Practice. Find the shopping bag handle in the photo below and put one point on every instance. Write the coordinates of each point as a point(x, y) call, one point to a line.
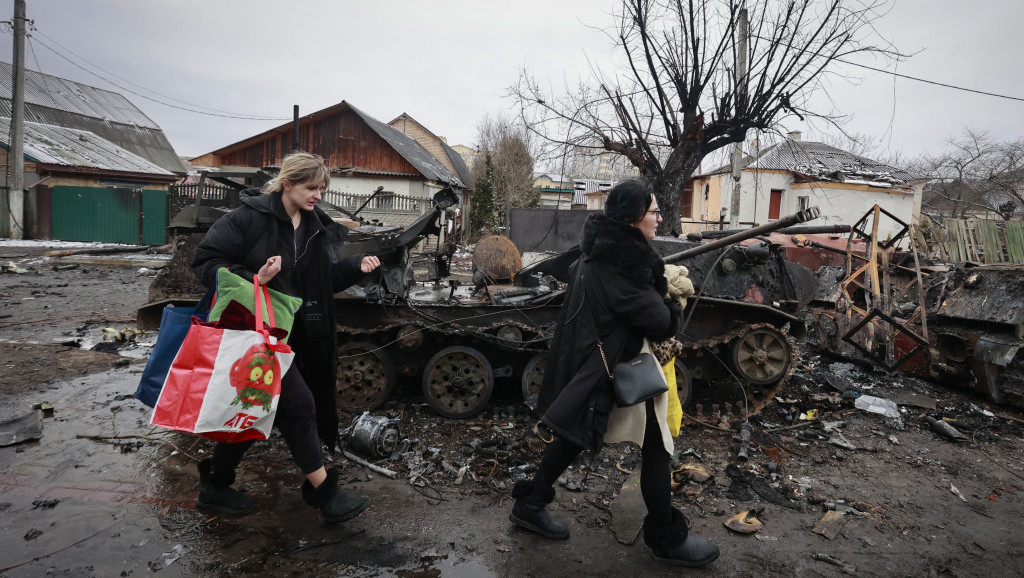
point(259, 297)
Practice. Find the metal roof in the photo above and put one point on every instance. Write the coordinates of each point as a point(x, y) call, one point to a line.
point(460, 165)
point(64, 103)
point(373, 172)
point(412, 151)
point(54, 145)
point(825, 162)
point(69, 96)
point(582, 188)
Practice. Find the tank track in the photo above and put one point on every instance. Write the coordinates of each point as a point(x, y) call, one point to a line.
point(764, 393)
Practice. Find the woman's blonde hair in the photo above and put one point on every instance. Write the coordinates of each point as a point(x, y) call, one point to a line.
point(298, 168)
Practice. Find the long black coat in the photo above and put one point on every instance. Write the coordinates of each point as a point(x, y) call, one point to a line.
point(243, 240)
point(624, 301)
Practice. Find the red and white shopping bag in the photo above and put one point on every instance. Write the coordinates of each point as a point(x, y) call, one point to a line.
point(225, 384)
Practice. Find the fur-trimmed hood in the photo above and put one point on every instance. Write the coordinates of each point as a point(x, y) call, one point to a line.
point(624, 247)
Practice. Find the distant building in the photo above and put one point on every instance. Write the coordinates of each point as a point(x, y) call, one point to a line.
point(469, 155)
point(556, 190)
point(590, 194)
point(436, 146)
point(594, 162)
point(794, 175)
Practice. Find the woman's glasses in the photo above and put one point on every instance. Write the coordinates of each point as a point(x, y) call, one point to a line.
point(656, 212)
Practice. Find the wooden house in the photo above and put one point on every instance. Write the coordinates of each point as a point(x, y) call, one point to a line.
point(362, 153)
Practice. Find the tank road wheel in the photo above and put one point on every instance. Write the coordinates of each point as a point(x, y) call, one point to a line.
point(761, 356)
point(458, 382)
point(533, 374)
point(366, 376)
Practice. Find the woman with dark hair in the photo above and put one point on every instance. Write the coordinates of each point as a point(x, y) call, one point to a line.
point(616, 294)
point(280, 236)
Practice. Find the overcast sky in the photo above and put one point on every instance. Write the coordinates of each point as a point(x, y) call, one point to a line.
point(447, 63)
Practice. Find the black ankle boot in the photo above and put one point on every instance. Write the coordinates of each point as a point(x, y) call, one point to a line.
point(530, 510)
point(215, 492)
point(672, 544)
point(335, 505)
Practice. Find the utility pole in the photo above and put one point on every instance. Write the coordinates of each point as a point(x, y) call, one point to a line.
point(741, 102)
point(16, 153)
point(295, 127)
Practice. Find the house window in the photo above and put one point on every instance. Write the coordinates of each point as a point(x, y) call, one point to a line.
point(774, 204)
point(686, 203)
point(803, 203)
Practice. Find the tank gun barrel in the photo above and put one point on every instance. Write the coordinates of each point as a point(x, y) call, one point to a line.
point(801, 217)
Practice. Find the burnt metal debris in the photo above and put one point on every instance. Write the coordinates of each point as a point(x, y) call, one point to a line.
point(957, 324)
point(458, 336)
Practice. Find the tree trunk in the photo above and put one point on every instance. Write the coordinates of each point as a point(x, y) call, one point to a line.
point(668, 189)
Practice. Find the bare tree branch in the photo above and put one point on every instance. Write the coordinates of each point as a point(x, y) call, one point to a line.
point(679, 89)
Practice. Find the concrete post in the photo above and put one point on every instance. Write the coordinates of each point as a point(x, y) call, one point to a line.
point(16, 153)
point(741, 103)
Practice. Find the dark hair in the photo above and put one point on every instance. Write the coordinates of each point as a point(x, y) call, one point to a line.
point(628, 201)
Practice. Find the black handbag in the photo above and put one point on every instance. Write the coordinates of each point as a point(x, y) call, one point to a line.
point(635, 380)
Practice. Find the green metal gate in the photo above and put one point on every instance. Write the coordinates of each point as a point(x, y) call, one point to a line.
point(108, 215)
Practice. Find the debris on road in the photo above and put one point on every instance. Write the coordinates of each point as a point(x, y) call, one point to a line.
point(878, 405)
point(10, 267)
point(628, 510)
point(945, 429)
point(373, 436)
point(745, 522)
point(846, 568)
point(22, 429)
point(830, 524)
point(956, 492)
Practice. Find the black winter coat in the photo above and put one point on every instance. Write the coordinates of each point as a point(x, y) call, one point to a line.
point(616, 288)
point(243, 240)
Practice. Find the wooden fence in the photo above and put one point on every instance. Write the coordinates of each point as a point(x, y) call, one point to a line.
point(382, 202)
point(976, 240)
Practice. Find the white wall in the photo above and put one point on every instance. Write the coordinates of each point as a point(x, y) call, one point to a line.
point(366, 184)
point(838, 206)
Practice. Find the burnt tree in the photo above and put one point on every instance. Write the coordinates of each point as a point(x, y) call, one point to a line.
point(677, 94)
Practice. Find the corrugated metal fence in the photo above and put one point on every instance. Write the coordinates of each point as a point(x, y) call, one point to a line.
point(108, 215)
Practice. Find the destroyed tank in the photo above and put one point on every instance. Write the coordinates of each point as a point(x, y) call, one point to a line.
point(456, 337)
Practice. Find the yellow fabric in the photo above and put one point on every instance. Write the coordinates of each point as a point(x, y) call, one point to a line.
point(675, 408)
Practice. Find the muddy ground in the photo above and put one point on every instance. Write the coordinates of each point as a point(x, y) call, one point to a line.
point(101, 493)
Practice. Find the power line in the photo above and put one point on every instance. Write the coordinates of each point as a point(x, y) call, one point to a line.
point(114, 74)
point(908, 77)
point(897, 74)
point(128, 90)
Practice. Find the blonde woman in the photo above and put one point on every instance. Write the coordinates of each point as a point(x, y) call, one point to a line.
point(281, 236)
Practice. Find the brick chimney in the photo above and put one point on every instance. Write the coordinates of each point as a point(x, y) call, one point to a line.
point(794, 135)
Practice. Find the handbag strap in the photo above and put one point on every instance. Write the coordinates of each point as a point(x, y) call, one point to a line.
point(593, 321)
